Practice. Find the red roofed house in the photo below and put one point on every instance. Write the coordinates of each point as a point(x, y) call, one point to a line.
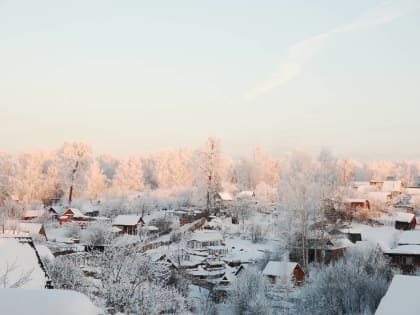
point(72, 214)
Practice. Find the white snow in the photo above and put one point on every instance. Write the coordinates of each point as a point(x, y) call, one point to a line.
point(409, 238)
point(126, 219)
point(384, 236)
point(379, 196)
point(46, 302)
point(23, 257)
point(401, 297)
point(44, 252)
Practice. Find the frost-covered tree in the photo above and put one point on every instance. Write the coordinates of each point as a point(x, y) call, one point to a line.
point(74, 163)
point(255, 168)
point(128, 178)
point(300, 198)
point(210, 169)
point(96, 181)
point(249, 293)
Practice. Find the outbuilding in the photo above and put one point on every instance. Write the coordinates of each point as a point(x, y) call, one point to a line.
point(277, 271)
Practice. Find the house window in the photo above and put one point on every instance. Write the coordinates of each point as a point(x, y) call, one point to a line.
point(409, 260)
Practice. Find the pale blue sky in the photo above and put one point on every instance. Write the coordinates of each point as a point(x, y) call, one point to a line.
point(138, 76)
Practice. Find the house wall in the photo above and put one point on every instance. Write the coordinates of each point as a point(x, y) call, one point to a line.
point(299, 276)
point(405, 226)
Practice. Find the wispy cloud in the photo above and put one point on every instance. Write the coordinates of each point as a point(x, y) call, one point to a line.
point(301, 53)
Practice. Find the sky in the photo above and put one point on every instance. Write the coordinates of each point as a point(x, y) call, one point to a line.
point(133, 77)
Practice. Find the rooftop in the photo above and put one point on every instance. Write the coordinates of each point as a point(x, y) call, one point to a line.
point(401, 297)
point(127, 219)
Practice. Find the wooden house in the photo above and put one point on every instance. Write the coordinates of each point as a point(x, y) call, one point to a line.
point(128, 224)
point(405, 221)
point(72, 214)
point(278, 271)
point(406, 255)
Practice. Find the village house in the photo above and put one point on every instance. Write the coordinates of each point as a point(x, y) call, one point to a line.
point(282, 271)
point(74, 215)
point(128, 223)
point(406, 255)
point(405, 221)
point(205, 239)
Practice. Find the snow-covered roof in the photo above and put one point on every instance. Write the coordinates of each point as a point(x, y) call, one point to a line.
point(76, 213)
point(401, 297)
point(206, 236)
point(33, 213)
point(279, 268)
point(43, 301)
point(225, 196)
point(409, 238)
point(404, 217)
point(25, 261)
point(404, 250)
point(127, 219)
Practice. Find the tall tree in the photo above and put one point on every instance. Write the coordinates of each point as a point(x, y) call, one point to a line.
point(75, 159)
point(210, 165)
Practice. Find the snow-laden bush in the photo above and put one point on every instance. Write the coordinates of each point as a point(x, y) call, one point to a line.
point(65, 274)
point(353, 285)
point(132, 283)
point(98, 234)
point(72, 229)
point(249, 293)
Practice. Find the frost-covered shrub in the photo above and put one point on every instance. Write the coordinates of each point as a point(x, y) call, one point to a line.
point(65, 274)
point(353, 285)
point(72, 229)
point(249, 293)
